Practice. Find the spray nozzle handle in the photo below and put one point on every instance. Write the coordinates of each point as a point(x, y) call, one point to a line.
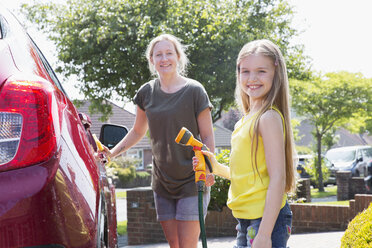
point(208, 162)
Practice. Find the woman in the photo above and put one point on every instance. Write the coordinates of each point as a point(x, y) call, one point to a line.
point(165, 105)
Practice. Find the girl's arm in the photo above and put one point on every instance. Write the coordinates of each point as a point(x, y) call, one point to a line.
point(134, 135)
point(271, 131)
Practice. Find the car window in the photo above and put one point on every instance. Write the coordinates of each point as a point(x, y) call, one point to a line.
point(3, 27)
point(341, 155)
point(367, 153)
point(48, 68)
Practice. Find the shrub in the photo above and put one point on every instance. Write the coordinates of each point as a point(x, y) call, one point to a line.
point(125, 162)
point(220, 189)
point(126, 174)
point(358, 232)
point(310, 168)
point(124, 169)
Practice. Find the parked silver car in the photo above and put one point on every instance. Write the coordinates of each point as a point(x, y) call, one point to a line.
point(351, 158)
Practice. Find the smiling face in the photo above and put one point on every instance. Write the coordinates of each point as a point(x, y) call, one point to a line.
point(164, 57)
point(256, 76)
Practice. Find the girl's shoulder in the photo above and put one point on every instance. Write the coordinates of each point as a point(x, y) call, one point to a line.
point(271, 120)
point(270, 116)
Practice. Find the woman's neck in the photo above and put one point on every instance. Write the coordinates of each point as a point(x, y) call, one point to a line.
point(171, 84)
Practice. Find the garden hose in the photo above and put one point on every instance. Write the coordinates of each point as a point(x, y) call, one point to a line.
point(186, 138)
point(201, 215)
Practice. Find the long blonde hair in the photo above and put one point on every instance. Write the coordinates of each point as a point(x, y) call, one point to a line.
point(278, 96)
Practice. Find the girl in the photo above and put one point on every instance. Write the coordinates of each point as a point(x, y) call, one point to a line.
point(261, 165)
point(164, 106)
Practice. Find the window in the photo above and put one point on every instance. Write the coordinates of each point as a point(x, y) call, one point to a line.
point(3, 27)
point(367, 153)
point(138, 154)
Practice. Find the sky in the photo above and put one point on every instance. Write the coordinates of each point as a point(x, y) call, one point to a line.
point(336, 35)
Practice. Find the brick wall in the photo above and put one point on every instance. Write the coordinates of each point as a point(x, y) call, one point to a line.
point(348, 187)
point(303, 189)
point(143, 228)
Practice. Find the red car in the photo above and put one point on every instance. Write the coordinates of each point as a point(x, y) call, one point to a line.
point(53, 192)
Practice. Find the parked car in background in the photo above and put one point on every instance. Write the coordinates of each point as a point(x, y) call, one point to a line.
point(351, 158)
point(303, 168)
point(53, 191)
point(368, 178)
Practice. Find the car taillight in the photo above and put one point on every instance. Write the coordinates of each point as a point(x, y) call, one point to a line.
point(10, 134)
point(29, 121)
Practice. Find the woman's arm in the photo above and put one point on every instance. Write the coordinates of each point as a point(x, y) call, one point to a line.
point(134, 135)
point(206, 128)
point(271, 131)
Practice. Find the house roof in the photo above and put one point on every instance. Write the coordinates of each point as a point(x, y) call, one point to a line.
point(222, 136)
point(120, 116)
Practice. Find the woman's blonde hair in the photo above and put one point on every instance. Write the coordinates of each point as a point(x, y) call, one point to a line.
point(180, 50)
point(278, 96)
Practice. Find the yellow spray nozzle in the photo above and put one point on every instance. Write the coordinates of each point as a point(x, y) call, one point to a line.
point(100, 147)
point(186, 138)
point(98, 143)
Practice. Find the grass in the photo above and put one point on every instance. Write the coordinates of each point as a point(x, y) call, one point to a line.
point(338, 203)
point(122, 228)
point(328, 191)
point(121, 194)
point(121, 225)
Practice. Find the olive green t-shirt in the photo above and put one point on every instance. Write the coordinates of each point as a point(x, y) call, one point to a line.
point(172, 173)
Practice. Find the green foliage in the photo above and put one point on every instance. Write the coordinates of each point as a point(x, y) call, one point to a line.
point(103, 42)
point(143, 174)
point(122, 227)
point(358, 232)
point(126, 174)
point(124, 169)
point(295, 123)
point(311, 168)
point(124, 162)
point(332, 101)
point(220, 189)
point(121, 194)
point(303, 150)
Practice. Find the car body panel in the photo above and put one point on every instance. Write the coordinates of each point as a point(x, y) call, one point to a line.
point(64, 200)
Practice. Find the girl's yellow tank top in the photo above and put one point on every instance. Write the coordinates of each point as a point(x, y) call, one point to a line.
point(247, 193)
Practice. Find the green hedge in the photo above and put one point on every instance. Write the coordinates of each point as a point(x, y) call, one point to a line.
point(359, 231)
point(221, 187)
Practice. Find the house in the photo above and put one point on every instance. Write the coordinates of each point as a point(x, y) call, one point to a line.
point(142, 150)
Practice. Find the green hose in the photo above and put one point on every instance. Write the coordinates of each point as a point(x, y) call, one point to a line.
point(201, 215)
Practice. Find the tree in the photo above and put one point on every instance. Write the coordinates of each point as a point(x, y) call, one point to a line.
point(103, 42)
point(332, 101)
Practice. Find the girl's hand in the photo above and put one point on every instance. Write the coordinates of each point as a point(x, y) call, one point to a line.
point(209, 181)
point(262, 242)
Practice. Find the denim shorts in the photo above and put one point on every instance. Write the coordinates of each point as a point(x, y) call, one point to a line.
point(247, 230)
point(181, 209)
